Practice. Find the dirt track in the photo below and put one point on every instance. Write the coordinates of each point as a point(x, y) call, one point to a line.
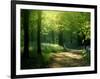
point(66, 59)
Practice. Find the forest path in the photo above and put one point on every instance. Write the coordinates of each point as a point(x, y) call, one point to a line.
point(66, 59)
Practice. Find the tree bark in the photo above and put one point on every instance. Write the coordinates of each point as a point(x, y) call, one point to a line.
point(40, 57)
point(26, 33)
point(53, 37)
point(61, 38)
point(38, 32)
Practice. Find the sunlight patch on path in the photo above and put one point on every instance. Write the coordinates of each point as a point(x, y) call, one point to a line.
point(66, 59)
point(68, 54)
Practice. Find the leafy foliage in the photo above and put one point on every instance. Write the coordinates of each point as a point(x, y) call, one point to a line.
point(48, 48)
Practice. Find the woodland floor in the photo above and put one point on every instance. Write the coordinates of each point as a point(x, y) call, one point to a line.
point(66, 59)
point(57, 60)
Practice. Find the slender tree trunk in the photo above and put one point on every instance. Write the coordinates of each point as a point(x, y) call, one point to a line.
point(61, 38)
point(26, 33)
point(53, 37)
point(71, 38)
point(38, 32)
point(40, 57)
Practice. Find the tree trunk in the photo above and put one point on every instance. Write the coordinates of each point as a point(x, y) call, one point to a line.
point(38, 33)
point(61, 38)
point(26, 33)
point(71, 38)
point(40, 57)
point(53, 37)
